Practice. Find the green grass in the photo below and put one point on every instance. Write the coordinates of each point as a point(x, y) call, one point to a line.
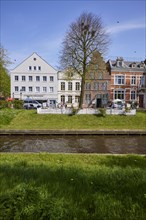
point(82, 187)
point(23, 119)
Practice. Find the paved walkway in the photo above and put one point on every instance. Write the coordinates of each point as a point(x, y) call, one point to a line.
point(73, 132)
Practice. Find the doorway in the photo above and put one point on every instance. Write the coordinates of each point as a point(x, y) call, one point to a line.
point(141, 100)
point(98, 103)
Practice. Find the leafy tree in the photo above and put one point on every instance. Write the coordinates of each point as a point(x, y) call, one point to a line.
point(4, 76)
point(85, 36)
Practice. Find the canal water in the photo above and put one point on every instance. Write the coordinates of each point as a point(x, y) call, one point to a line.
point(113, 144)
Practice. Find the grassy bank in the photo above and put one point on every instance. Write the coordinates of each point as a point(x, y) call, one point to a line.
point(23, 119)
point(83, 187)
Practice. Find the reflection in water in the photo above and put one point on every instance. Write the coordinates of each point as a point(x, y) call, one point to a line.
point(73, 144)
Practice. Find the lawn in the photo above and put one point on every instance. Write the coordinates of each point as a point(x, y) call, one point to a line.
point(23, 119)
point(66, 187)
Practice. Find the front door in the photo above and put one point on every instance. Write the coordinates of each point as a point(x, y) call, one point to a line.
point(141, 100)
point(98, 103)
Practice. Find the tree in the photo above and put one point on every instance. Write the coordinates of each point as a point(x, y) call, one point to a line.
point(85, 36)
point(4, 76)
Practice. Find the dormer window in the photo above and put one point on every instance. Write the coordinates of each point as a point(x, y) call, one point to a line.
point(133, 65)
point(119, 62)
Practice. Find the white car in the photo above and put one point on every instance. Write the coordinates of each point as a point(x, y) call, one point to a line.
point(31, 104)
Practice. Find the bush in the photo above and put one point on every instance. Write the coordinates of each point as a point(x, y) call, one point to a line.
point(3, 104)
point(18, 104)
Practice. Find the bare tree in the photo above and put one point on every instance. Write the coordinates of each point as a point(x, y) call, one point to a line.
point(85, 36)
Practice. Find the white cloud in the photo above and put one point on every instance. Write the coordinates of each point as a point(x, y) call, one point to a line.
point(115, 29)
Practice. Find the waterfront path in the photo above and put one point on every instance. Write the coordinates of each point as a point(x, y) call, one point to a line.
point(73, 132)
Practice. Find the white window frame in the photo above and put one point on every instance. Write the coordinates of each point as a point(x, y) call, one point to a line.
point(133, 99)
point(44, 89)
point(69, 98)
point(37, 78)
point(77, 86)
point(119, 79)
point(62, 84)
point(70, 86)
point(16, 77)
point(51, 89)
point(118, 96)
point(30, 78)
point(16, 88)
point(51, 78)
point(37, 89)
point(133, 80)
point(44, 78)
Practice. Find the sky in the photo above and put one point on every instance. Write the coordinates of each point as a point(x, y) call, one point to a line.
point(28, 26)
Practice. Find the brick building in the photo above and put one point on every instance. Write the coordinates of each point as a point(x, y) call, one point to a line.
point(125, 80)
point(97, 83)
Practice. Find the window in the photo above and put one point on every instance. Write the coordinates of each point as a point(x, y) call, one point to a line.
point(29, 68)
point(96, 86)
point(23, 78)
point(100, 76)
point(16, 78)
point(88, 98)
point(34, 59)
point(77, 86)
point(23, 89)
point(44, 78)
point(37, 89)
point(16, 88)
point(133, 95)
point(34, 67)
point(77, 99)
point(37, 78)
point(119, 94)
point(63, 99)
point(69, 99)
point(30, 78)
point(91, 75)
point(119, 80)
point(133, 80)
point(51, 89)
point(44, 89)
point(39, 67)
point(51, 78)
point(88, 86)
point(70, 86)
point(104, 86)
point(62, 85)
point(30, 88)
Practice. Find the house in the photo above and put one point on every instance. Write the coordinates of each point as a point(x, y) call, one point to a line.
point(142, 91)
point(69, 87)
point(97, 83)
point(125, 80)
point(36, 79)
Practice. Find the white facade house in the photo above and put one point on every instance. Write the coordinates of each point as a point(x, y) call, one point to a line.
point(69, 87)
point(34, 78)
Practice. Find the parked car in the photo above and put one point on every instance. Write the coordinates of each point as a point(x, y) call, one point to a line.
point(31, 104)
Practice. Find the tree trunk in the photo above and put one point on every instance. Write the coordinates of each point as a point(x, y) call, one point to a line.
point(82, 93)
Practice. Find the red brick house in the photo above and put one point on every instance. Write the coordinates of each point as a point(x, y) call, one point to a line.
point(125, 80)
point(97, 83)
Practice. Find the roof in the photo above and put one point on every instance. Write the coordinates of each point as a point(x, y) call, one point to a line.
point(121, 64)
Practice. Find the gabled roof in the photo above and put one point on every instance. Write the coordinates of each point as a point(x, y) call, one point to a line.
point(34, 60)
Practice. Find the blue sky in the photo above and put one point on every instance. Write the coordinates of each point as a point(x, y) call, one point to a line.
point(29, 26)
